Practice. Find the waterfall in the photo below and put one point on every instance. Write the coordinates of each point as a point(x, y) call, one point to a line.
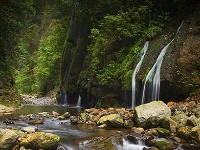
point(65, 100)
point(79, 101)
point(153, 77)
point(143, 52)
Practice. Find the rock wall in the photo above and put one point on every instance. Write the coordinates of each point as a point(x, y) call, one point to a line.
point(74, 53)
point(179, 71)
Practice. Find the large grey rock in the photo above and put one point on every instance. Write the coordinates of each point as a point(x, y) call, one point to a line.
point(7, 139)
point(151, 114)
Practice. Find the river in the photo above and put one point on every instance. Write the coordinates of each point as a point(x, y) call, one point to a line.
point(73, 137)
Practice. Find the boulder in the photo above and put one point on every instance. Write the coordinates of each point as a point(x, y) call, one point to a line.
point(54, 113)
point(94, 118)
point(7, 139)
point(184, 132)
point(195, 133)
point(84, 117)
point(74, 120)
point(151, 114)
point(36, 121)
point(163, 132)
point(40, 140)
point(128, 123)
point(170, 124)
point(29, 129)
point(112, 120)
point(66, 115)
point(164, 145)
point(137, 130)
point(193, 121)
point(181, 118)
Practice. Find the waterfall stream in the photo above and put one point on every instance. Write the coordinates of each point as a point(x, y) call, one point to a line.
point(137, 68)
point(153, 77)
point(65, 100)
point(79, 101)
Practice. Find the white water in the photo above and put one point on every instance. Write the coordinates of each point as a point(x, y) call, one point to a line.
point(137, 68)
point(79, 101)
point(65, 100)
point(154, 74)
point(130, 146)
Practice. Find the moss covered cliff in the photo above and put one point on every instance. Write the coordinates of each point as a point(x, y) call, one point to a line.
point(100, 70)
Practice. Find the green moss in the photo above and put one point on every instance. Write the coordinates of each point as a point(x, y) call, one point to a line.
point(163, 132)
point(162, 145)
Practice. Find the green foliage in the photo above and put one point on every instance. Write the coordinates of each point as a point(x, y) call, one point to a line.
point(118, 38)
point(40, 47)
point(49, 57)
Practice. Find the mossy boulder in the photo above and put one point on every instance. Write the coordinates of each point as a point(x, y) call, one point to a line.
point(164, 145)
point(193, 121)
point(112, 120)
point(170, 124)
point(195, 133)
point(184, 132)
point(181, 119)
point(163, 132)
point(151, 114)
point(128, 123)
point(40, 140)
point(7, 139)
point(84, 117)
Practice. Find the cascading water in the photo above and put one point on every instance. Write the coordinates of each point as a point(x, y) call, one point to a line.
point(65, 100)
point(137, 68)
point(79, 101)
point(154, 74)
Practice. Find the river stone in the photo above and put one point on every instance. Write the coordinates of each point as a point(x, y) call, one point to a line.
point(170, 124)
point(151, 114)
point(193, 121)
point(112, 120)
point(40, 140)
point(74, 120)
point(84, 117)
point(163, 132)
point(184, 132)
point(128, 123)
point(164, 145)
point(7, 139)
point(66, 115)
point(181, 119)
point(195, 133)
point(54, 113)
point(29, 129)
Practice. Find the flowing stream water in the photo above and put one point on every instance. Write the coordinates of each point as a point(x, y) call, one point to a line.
point(73, 137)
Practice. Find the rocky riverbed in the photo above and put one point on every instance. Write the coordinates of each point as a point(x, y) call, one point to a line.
point(34, 100)
point(157, 125)
point(152, 126)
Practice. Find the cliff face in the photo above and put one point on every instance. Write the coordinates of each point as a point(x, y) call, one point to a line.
point(179, 71)
point(75, 50)
point(188, 63)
